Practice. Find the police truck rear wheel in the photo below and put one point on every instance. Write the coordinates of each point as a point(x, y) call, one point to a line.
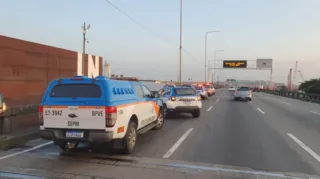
point(130, 138)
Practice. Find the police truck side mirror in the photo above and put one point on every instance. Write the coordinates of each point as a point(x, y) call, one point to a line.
point(155, 94)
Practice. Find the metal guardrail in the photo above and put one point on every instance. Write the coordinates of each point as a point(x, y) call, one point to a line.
point(296, 95)
point(19, 110)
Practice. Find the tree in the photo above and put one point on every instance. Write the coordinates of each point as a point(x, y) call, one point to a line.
point(311, 86)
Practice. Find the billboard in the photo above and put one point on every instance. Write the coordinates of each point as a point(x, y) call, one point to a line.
point(234, 64)
point(264, 63)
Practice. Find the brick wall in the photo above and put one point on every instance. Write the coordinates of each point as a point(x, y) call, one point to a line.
point(26, 68)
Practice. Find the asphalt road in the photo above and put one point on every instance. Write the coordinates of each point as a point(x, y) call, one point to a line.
point(271, 133)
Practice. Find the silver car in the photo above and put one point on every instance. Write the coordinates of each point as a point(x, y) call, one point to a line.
point(243, 93)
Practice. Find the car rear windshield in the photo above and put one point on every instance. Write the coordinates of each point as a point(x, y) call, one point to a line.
point(243, 89)
point(76, 91)
point(185, 91)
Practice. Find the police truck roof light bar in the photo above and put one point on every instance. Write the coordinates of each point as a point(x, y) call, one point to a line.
point(125, 78)
point(77, 78)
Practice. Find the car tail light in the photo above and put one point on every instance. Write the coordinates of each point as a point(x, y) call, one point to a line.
point(173, 98)
point(111, 116)
point(249, 92)
point(237, 92)
point(3, 108)
point(40, 115)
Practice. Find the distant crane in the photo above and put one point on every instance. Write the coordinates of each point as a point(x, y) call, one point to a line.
point(295, 73)
point(301, 75)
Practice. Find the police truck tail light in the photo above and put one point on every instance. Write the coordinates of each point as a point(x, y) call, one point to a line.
point(40, 115)
point(111, 116)
point(173, 98)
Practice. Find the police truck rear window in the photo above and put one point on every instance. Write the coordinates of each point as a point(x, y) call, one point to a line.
point(185, 91)
point(76, 91)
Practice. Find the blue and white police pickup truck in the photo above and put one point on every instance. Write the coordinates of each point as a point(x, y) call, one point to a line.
point(98, 110)
point(181, 99)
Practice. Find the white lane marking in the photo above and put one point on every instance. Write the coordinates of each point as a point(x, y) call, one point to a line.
point(314, 112)
point(261, 111)
point(285, 103)
point(218, 99)
point(24, 151)
point(304, 146)
point(177, 144)
point(209, 108)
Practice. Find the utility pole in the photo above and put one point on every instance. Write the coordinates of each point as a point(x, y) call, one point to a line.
point(180, 56)
point(85, 28)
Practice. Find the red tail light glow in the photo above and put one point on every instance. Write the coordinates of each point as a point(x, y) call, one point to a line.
point(40, 115)
point(237, 91)
point(111, 116)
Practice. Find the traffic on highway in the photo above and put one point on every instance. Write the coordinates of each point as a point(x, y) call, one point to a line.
point(128, 89)
point(270, 134)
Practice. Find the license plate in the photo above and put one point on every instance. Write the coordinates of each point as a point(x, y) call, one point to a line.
point(74, 134)
point(186, 103)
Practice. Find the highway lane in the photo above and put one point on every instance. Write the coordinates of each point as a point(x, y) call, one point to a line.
point(236, 133)
point(226, 133)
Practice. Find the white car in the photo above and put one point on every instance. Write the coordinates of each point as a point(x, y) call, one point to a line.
point(181, 100)
point(201, 90)
point(232, 88)
point(243, 93)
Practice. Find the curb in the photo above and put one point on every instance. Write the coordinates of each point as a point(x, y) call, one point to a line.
point(7, 141)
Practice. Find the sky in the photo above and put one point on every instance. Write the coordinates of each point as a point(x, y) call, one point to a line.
point(146, 45)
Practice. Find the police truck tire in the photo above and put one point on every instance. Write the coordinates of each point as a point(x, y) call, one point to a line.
point(62, 146)
point(160, 120)
point(130, 139)
point(196, 113)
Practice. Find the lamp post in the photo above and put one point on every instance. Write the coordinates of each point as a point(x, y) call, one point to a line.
point(180, 47)
point(205, 53)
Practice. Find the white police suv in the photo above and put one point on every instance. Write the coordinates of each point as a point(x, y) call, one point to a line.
point(181, 100)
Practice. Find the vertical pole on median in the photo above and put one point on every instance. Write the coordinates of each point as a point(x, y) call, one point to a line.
point(205, 54)
point(180, 56)
point(205, 58)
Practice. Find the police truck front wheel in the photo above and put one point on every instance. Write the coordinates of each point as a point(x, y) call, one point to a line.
point(160, 120)
point(130, 138)
point(196, 113)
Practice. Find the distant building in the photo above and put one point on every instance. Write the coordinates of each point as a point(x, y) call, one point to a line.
point(107, 70)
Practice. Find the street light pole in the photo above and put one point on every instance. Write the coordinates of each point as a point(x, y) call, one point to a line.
point(205, 53)
point(180, 49)
point(85, 28)
point(214, 60)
